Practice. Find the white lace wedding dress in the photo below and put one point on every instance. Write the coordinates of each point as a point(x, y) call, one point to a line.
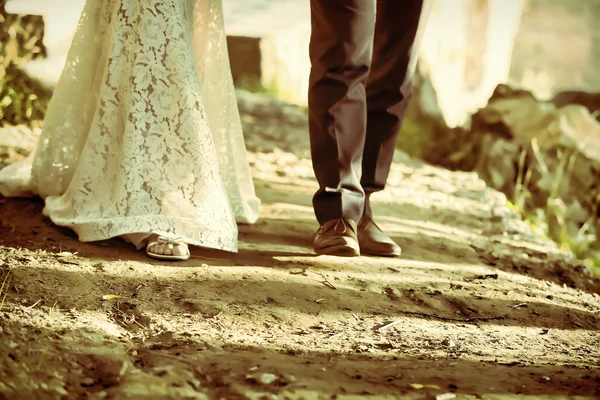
point(143, 133)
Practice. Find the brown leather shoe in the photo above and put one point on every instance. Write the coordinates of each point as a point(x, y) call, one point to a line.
point(374, 241)
point(337, 238)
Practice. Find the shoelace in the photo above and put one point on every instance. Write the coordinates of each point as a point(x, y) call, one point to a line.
point(337, 224)
point(335, 227)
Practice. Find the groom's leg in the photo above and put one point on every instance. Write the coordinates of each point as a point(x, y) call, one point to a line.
point(398, 31)
point(340, 52)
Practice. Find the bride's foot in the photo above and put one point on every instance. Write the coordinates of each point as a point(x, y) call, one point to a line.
point(165, 248)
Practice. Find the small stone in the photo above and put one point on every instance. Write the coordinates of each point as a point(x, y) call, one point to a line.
point(195, 383)
point(267, 379)
point(61, 390)
point(87, 381)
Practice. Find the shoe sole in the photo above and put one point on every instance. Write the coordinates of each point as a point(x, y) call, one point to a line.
point(340, 251)
point(389, 255)
point(382, 251)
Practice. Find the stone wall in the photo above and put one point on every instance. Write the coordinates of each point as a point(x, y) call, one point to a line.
point(245, 58)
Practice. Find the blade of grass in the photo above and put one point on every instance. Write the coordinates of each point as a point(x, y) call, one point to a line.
point(4, 284)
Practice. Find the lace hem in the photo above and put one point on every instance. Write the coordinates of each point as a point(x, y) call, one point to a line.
point(144, 121)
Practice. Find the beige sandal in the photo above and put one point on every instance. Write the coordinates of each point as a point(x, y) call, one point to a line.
point(168, 241)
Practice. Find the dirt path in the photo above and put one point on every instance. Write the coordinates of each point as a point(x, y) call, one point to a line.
point(478, 306)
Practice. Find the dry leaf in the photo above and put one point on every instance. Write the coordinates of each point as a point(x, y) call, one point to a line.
point(111, 297)
point(421, 386)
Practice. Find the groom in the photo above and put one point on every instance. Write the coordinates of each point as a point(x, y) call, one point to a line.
point(363, 55)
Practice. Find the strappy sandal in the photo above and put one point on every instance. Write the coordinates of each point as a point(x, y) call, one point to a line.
point(166, 241)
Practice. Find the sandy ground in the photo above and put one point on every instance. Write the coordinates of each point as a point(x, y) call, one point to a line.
point(479, 306)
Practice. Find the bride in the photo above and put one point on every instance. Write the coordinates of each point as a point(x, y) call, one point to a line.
point(142, 138)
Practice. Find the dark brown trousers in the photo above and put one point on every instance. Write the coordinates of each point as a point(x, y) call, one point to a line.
point(363, 57)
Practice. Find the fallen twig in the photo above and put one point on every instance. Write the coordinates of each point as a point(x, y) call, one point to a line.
point(388, 326)
point(336, 335)
point(138, 287)
point(481, 277)
point(51, 312)
point(326, 282)
point(40, 361)
point(127, 319)
point(64, 260)
point(34, 304)
point(439, 317)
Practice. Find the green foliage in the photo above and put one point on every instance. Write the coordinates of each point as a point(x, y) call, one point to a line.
point(414, 136)
point(22, 101)
point(252, 83)
point(545, 211)
point(552, 221)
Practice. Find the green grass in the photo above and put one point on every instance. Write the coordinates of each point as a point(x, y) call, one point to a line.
point(551, 221)
point(427, 138)
point(4, 288)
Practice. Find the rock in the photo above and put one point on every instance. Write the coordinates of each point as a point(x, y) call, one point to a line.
point(61, 390)
point(581, 131)
point(496, 163)
point(545, 158)
point(267, 379)
point(589, 100)
point(87, 381)
point(504, 91)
